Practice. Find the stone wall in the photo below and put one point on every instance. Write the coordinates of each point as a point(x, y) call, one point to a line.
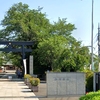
point(70, 83)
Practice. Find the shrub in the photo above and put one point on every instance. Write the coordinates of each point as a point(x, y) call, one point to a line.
point(31, 79)
point(89, 80)
point(91, 96)
point(35, 82)
point(57, 70)
point(27, 76)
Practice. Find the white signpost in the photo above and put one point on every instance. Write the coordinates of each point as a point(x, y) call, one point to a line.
point(24, 61)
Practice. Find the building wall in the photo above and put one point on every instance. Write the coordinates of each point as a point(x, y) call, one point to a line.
point(9, 67)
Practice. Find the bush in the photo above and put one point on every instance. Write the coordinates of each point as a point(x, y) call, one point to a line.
point(89, 80)
point(57, 70)
point(27, 76)
point(31, 79)
point(91, 96)
point(35, 82)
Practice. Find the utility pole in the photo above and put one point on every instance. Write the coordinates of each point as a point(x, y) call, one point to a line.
point(92, 64)
point(92, 26)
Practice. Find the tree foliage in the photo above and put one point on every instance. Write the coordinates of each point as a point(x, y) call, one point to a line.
point(21, 23)
point(54, 44)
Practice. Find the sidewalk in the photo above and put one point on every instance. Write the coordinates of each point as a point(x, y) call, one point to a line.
point(15, 90)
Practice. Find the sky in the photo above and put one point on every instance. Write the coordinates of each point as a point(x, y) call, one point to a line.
point(77, 12)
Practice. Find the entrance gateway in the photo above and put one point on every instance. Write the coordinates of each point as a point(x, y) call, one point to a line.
point(17, 46)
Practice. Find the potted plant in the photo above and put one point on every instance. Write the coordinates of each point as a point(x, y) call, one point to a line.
point(26, 78)
point(35, 82)
point(29, 84)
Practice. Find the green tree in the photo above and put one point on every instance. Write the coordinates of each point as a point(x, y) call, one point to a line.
point(96, 61)
point(23, 24)
point(50, 49)
point(2, 60)
point(54, 44)
point(74, 58)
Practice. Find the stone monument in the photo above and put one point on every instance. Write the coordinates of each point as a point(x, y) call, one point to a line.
point(65, 84)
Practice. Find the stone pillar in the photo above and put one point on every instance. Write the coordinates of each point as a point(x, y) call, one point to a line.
point(31, 65)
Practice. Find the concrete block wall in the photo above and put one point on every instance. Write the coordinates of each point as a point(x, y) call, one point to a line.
point(60, 84)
